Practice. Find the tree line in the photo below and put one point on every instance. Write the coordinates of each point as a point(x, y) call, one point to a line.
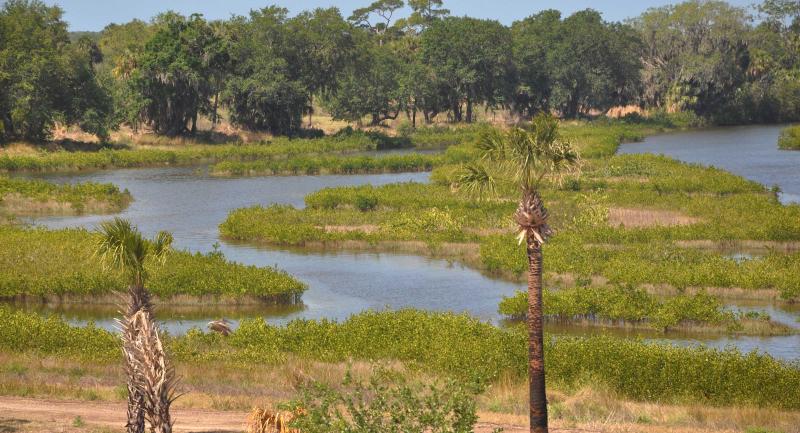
point(393, 58)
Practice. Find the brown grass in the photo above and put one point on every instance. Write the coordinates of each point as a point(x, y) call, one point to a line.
point(624, 110)
point(240, 387)
point(367, 228)
point(626, 217)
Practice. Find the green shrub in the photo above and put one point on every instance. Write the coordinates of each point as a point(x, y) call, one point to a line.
point(790, 138)
point(625, 305)
point(45, 263)
point(78, 196)
point(384, 404)
point(366, 203)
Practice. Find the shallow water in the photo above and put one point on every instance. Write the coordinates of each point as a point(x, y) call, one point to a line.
point(191, 204)
point(749, 151)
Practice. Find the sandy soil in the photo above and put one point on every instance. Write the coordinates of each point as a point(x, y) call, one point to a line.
point(27, 415)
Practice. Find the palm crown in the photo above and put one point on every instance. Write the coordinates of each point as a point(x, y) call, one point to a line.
point(122, 246)
point(523, 157)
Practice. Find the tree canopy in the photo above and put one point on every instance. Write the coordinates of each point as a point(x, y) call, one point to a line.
point(264, 71)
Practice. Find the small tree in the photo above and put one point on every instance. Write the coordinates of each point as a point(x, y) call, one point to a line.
point(525, 158)
point(151, 379)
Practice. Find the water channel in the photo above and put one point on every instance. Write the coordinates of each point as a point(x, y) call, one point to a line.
point(191, 204)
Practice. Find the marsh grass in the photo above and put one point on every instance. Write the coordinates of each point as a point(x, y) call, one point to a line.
point(631, 218)
point(789, 138)
point(632, 308)
point(24, 197)
point(58, 265)
point(450, 345)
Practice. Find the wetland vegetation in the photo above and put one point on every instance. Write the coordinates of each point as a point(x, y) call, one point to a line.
point(19, 196)
point(635, 239)
point(426, 342)
point(59, 266)
point(790, 138)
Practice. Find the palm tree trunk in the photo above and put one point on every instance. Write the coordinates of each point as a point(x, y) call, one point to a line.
point(538, 397)
point(138, 300)
point(154, 380)
point(531, 216)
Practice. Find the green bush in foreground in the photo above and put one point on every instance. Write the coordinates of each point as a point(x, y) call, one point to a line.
point(455, 345)
point(790, 138)
point(41, 263)
point(385, 404)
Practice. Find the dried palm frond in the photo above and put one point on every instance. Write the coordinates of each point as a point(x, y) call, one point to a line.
point(531, 216)
point(136, 399)
point(266, 421)
point(151, 373)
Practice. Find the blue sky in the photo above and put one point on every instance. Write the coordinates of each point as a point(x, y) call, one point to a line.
point(94, 15)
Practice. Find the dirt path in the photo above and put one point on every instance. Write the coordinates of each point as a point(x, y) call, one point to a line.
point(28, 415)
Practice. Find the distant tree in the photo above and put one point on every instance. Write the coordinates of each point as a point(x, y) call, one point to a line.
point(368, 88)
point(120, 42)
point(470, 57)
point(695, 55)
point(44, 78)
point(774, 70)
point(595, 65)
point(419, 89)
point(533, 39)
point(426, 12)
point(173, 73)
point(265, 89)
point(384, 10)
point(324, 45)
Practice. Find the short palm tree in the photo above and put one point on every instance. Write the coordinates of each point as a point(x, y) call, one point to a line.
point(525, 158)
point(122, 247)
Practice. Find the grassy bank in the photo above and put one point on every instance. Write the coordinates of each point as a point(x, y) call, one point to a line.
point(59, 265)
point(329, 165)
point(102, 158)
point(630, 307)
point(789, 138)
point(451, 345)
point(88, 157)
point(632, 219)
point(34, 197)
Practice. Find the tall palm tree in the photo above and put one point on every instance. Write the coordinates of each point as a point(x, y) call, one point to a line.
point(525, 158)
point(122, 247)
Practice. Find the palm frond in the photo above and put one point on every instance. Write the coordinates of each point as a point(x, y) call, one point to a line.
point(119, 245)
point(476, 180)
point(491, 144)
point(161, 246)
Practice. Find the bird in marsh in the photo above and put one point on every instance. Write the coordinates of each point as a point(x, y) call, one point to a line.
point(223, 326)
